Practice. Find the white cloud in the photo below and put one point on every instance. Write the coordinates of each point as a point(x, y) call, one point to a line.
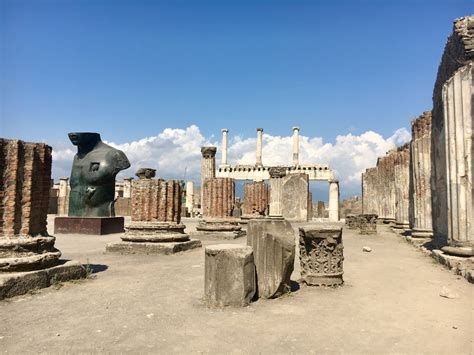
point(175, 150)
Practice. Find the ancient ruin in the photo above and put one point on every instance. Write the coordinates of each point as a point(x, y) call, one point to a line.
point(156, 226)
point(402, 188)
point(273, 244)
point(229, 275)
point(256, 200)
point(321, 255)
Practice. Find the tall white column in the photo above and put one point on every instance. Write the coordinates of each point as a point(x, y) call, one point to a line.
point(276, 175)
point(333, 200)
point(190, 197)
point(259, 147)
point(224, 147)
point(296, 145)
point(127, 188)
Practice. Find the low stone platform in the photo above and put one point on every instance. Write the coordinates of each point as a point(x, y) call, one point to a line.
point(88, 225)
point(19, 283)
point(224, 229)
point(147, 248)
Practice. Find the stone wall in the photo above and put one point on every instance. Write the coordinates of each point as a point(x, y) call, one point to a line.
point(218, 197)
point(25, 179)
point(256, 199)
point(156, 200)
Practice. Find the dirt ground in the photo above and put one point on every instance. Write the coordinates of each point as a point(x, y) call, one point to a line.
point(390, 303)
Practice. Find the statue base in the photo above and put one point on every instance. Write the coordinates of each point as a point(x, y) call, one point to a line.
point(88, 225)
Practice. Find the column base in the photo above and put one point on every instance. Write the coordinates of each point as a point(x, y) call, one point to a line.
point(465, 251)
point(421, 233)
point(152, 248)
point(88, 225)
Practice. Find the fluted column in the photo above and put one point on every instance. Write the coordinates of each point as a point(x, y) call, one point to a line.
point(255, 198)
point(402, 188)
point(225, 131)
point(258, 153)
point(296, 145)
point(208, 167)
point(219, 197)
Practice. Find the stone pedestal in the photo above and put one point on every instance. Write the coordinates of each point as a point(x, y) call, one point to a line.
point(88, 225)
point(367, 223)
point(219, 228)
point(229, 275)
point(273, 243)
point(321, 255)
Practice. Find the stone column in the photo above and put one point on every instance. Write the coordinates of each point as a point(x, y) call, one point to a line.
point(402, 188)
point(259, 147)
point(156, 226)
point(219, 197)
point(225, 131)
point(296, 146)
point(190, 197)
point(276, 187)
point(420, 172)
point(256, 199)
point(208, 166)
point(127, 187)
point(25, 177)
point(333, 200)
point(63, 196)
point(457, 95)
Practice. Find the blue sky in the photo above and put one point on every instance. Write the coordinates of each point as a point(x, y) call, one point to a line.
point(130, 69)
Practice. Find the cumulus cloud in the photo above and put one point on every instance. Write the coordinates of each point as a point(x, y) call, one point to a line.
point(176, 152)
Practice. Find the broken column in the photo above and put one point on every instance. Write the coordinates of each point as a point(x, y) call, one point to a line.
point(402, 173)
point(217, 207)
point(25, 245)
point(276, 187)
point(321, 255)
point(63, 196)
point(273, 243)
point(294, 197)
point(333, 200)
point(127, 187)
point(256, 199)
point(156, 226)
point(367, 223)
point(229, 275)
point(369, 191)
point(420, 173)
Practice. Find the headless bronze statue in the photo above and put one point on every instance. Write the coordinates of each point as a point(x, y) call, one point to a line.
point(92, 182)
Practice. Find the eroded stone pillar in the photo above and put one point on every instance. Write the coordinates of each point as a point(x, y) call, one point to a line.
point(458, 107)
point(276, 187)
point(256, 199)
point(190, 197)
point(156, 226)
point(63, 197)
point(402, 188)
point(25, 177)
point(333, 200)
point(420, 174)
point(208, 166)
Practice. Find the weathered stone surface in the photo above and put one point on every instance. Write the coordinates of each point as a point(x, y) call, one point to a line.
point(273, 243)
point(367, 223)
point(294, 202)
point(146, 173)
point(321, 255)
point(19, 283)
point(217, 228)
point(150, 248)
point(229, 275)
point(352, 205)
point(208, 167)
point(256, 199)
point(218, 197)
point(25, 180)
point(402, 188)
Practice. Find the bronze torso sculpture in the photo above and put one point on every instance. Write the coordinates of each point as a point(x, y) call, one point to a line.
point(94, 169)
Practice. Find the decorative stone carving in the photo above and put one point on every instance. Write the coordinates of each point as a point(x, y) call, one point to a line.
point(321, 255)
point(367, 223)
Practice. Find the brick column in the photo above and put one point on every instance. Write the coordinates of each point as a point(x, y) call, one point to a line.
point(256, 198)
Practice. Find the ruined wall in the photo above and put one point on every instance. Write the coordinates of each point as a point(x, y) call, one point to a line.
point(218, 197)
point(256, 198)
point(25, 179)
point(156, 200)
point(352, 205)
point(420, 174)
point(458, 52)
point(295, 195)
